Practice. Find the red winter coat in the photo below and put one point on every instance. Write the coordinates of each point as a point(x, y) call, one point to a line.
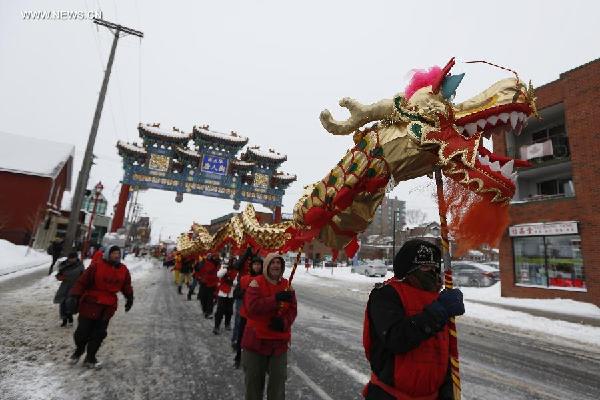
point(261, 306)
point(97, 256)
point(420, 372)
point(244, 282)
point(208, 274)
point(97, 289)
point(226, 282)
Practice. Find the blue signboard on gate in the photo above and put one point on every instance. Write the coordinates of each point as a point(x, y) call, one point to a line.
point(214, 165)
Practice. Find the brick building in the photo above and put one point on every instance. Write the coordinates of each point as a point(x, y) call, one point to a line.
point(34, 173)
point(552, 247)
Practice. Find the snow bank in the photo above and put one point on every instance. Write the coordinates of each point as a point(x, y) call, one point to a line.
point(545, 327)
point(15, 258)
point(565, 306)
point(338, 273)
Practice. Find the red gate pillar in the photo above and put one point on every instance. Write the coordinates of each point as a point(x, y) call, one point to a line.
point(119, 216)
point(277, 215)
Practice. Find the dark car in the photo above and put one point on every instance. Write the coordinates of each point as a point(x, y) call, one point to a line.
point(469, 273)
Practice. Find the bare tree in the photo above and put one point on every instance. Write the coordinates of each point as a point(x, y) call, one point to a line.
point(33, 222)
point(415, 217)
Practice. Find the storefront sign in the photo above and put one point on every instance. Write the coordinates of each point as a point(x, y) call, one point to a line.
point(544, 229)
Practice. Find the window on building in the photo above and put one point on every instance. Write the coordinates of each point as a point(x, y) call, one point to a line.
point(560, 141)
point(549, 261)
point(554, 187)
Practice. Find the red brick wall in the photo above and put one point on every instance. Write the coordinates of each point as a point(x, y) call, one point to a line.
point(21, 197)
point(579, 91)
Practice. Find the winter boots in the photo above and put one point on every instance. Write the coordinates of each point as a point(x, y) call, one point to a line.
point(179, 289)
point(74, 359)
point(64, 323)
point(189, 295)
point(216, 330)
point(92, 363)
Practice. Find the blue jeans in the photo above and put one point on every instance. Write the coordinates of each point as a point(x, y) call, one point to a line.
point(193, 285)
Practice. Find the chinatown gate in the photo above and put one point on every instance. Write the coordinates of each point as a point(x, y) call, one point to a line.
point(203, 162)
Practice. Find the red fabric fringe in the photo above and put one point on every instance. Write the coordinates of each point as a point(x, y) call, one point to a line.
point(473, 220)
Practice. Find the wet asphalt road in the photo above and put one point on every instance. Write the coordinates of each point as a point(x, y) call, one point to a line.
point(164, 349)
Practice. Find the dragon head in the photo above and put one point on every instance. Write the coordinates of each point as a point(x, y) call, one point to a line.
point(408, 136)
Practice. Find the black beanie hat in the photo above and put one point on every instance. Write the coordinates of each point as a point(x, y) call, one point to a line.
point(114, 248)
point(257, 259)
point(413, 253)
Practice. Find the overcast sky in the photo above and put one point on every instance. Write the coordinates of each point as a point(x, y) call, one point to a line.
point(265, 69)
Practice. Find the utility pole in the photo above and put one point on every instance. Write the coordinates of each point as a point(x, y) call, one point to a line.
point(88, 159)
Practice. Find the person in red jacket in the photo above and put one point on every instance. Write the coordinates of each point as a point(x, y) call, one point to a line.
point(208, 284)
point(98, 254)
point(271, 311)
point(227, 283)
point(256, 268)
point(95, 294)
point(405, 334)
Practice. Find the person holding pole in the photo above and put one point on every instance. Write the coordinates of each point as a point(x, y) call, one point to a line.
point(406, 336)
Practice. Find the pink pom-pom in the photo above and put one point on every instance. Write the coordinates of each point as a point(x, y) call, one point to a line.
point(421, 79)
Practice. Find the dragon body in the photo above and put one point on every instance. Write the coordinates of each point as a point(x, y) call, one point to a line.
point(398, 139)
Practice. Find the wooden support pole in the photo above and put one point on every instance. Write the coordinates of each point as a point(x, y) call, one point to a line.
point(442, 208)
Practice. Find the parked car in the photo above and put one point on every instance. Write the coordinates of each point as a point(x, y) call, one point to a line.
point(371, 268)
point(493, 264)
point(470, 273)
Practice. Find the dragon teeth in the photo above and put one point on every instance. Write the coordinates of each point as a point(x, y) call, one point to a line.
point(507, 169)
point(481, 123)
point(514, 118)
point(504, 117)
point(493, 119)
point(471, 129)
point(460, 129)
point(495, 166)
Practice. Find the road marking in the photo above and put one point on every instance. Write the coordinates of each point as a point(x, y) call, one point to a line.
point(311, 383)
point(357, 375)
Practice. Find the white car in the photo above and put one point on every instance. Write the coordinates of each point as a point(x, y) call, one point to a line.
point(373, 268)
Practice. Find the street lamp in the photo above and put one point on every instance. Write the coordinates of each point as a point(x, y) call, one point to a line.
point(97, 192)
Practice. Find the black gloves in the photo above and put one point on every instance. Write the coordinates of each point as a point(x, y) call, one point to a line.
point(72, 304)
point(285, 295)
point(128, 304)
point(277, 324)
point(452, 301)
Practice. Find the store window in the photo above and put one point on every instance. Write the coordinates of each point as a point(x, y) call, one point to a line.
point(549, 261)
point(530, 261)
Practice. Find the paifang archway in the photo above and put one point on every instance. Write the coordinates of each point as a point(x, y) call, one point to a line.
point(203, 162)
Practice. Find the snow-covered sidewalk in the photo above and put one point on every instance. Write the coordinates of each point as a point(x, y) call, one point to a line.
point(34, 349)
point(14, 259)
point(495, 311)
